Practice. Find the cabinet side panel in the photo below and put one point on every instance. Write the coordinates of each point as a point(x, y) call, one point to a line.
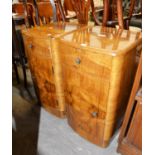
point(122, 76)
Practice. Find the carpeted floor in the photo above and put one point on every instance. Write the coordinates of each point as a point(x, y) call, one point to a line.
point(35, 131)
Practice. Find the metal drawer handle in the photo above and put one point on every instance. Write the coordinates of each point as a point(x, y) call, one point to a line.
point(94, 114)
point(30, 46)
point(78, 60)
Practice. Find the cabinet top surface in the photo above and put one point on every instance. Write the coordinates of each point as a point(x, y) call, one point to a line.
point(107, 39)
point(51, 30)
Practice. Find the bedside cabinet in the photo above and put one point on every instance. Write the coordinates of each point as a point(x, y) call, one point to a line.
point(98, 69)
point(45, 65)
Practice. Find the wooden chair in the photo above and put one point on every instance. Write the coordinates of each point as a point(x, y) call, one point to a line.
point(68, 6)
point(60, 10)
point(106, 12)
point(45, 12)
point(69, 9)
point(27, 10)
point(18, 53)
point(81, 8)
point(113, 9)
point(49, 12)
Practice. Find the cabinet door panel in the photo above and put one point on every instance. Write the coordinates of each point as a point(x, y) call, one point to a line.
point(81, 121)
point(83, 86)
point(40, 61)
point(82, 103)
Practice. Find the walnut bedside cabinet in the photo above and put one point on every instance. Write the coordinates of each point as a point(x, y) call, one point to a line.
point(98, 68)
point(44, 64)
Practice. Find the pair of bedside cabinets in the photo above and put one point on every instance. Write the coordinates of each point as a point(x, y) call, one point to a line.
point(84, 73)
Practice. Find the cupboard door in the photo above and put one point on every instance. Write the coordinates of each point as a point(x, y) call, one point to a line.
point(82, 97)
point(40, 61)
point(82, 102)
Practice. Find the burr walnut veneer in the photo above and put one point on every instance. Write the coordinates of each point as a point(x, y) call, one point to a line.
point(44, 64)
point(98, 68)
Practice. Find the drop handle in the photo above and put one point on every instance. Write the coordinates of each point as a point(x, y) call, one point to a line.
point(94, 114)
point(30, 45)
point(77, 60)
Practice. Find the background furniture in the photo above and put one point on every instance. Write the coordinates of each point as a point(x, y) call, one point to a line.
point(45, 65)
point(23, 16)
point(130, 139)
point(98, 66)
point(81, 8)
point(27, 10)
point(18, 53)
point(68, 6)
point(120, 10)
point(45, 12)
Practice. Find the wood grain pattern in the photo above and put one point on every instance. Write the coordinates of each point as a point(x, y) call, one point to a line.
point(42, 69)
point(45, 65)
point(97, 81)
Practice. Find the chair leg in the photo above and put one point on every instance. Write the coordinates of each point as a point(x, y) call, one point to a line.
point(16, 72)
point(24, 75)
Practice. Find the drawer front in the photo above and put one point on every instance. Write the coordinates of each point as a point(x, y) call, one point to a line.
point(87, 61)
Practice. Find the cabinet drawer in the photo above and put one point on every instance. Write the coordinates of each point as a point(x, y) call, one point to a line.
point(88, 61)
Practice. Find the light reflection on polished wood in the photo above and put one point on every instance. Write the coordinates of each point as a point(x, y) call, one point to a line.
point(98, 66)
